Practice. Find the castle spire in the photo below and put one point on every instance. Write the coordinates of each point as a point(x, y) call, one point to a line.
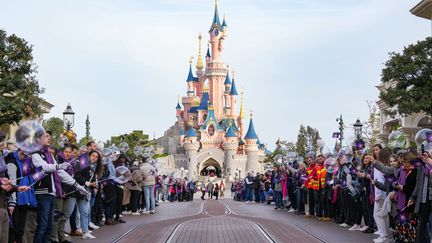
point(199, 64)
point(208, 51)
point(242, 113)
point(216, 21)
point(251, 134)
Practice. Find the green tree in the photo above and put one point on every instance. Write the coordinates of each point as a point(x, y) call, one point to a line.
point(407, 80)
point(19, 88)
point(132, 139)
point(56, 126)
point(306, 133)
point(301, 141)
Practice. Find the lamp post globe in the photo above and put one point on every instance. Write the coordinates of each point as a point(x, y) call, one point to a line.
point(68, 117)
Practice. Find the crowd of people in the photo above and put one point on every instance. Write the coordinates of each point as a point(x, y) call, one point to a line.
point(387, 192)
point(35, 207)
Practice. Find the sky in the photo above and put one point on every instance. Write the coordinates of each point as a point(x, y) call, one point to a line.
point(124, 63)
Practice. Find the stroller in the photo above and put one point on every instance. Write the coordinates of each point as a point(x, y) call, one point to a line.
point(269, 196)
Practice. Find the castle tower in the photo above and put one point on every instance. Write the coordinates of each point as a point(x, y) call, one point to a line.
point(215, 71)
point(191, 146)
point(230, 147)
point(227, 85)
point(251, 149)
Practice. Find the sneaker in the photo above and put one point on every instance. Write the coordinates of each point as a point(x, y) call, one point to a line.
point(127, 212)
point(87, 236)
point(344, 225)
point(291, 210)
point(308, 216)
point(355, 227)
point(377, 232)
point(135, 214)
point(145, 212)
point(152, 211)
point(364, 228)
point(93, 226)
point(247, 202)
point(76, 233)
point(382, 239)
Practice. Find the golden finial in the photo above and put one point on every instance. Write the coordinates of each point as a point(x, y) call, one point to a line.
point(233, 74)
point(251, 113)
point(191, 121)
point(242, 112)
point(199, 64)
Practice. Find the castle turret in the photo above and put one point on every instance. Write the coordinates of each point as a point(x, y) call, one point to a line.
point(233, 93)
point(191, 147)
point(227, 100)
point(215, 34)
point(191, 81)
point(251, 149)
point(230, 147)
point(208, 56)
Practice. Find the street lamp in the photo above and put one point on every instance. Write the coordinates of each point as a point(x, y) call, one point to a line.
point(358, 129)
point(182, 170)
point(359, 143)
point(68, 117)
point(341, 130)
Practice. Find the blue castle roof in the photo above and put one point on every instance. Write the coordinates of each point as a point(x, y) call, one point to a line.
point(230, 133)
point(227, 79)
point(224, 24)
point(204, 101)
point(178, 107)
point(211, 119)
point(193, 109)
point(190, 77)
point(181, 132)
point(216, 21)
point(251, 134)
point(233, 88)
point(191, 132)
point(208, 52)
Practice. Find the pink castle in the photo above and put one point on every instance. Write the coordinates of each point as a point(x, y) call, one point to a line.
point(211, 133)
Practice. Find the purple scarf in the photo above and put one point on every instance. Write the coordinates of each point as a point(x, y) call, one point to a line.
point(400, 196)
point(70, 170)
point(57, 181)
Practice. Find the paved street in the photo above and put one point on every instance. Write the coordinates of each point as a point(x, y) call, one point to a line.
point(223, 221)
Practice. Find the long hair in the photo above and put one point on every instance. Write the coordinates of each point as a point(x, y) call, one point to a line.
point(378, 146)
point(99, 166)
point(384, 156)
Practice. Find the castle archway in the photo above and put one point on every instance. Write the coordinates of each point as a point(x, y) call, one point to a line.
point(211, 166)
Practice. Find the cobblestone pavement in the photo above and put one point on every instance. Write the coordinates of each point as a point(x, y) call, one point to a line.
point(223, 221)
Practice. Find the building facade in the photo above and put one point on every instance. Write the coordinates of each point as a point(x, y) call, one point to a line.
point(411, 124)
point(209, 135)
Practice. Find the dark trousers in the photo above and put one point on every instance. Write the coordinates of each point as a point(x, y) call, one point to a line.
point(327, 197)
point(72, 220)
point(318, 203)
point(18, 218)
point(345, 198)
point(98, 208)
point(311, 201)
point(278, 198)
point(291, 195)
point(45, 218)
point(191, 195)
point(119, 202)
point(203, 194)
point(367, 210)
point(356, 210)
point(299, 200)
point(109, 207)
point(256, 195)
point(425, 210)
point(134, 200)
